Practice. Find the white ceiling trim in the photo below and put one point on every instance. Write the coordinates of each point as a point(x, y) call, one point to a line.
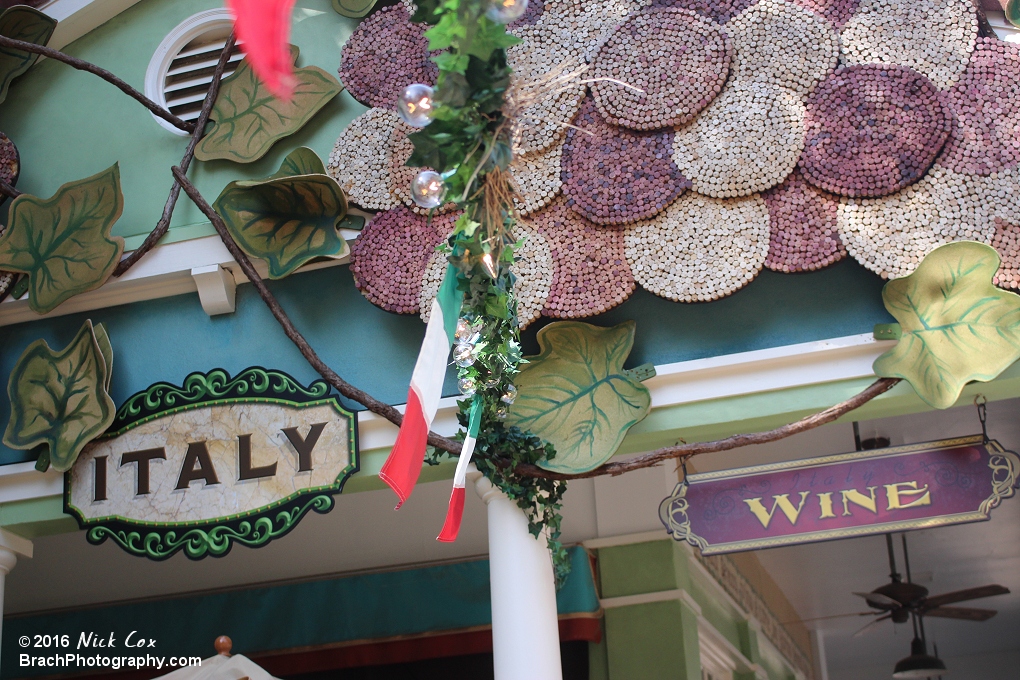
point(77, 17)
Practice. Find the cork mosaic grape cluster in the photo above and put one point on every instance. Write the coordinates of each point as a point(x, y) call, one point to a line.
point(706, 141)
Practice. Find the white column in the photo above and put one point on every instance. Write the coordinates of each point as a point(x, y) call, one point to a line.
point(818, 638)
point(525, 630)
point(11, 545)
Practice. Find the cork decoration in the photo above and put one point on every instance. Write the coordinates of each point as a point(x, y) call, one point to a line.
point(873, 129)
point(786, 134)
point(537, 178)
point(836, 12)
point(591, 270)
point(385, 54)
point(389, 257)
point(891, 235)
point(360, 161)
point(613, 175)
point(719, 11)
point(802, 219)
point(678, 59)
point(779, 43)
point(700, 248)
point(747, 140)
point(933, 37)
point(985, 135)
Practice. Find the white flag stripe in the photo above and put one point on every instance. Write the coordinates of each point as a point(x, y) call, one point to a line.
point(460, 476)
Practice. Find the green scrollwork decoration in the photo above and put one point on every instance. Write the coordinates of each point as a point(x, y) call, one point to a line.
point(673, 513)
point(216, 540)
point(200, 388)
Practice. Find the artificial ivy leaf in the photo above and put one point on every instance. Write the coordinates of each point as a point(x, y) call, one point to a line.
point(248, 119)
point(63, 243)
point(956, 326)
point(28, 25)
point(355, 9)
point(300, 161)
point(286, 220)
point(576, 395)
point(58, 399)
point(105, 351)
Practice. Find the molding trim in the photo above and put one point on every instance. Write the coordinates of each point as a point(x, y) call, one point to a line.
point(165, 271)
point(626, 539)
point(21, 481)
point(78, 17)
point(648, 598)
point(16, 544)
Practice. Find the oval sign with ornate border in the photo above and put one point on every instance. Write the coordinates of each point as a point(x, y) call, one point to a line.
point(214, 462)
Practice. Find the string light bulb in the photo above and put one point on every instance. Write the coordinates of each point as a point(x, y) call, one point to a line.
point(428, 189)
point(505, 11)
point(415, 105)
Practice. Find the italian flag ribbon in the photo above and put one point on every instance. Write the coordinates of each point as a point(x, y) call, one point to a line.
point(455, 511)
point(264, 28)
point(402, 467)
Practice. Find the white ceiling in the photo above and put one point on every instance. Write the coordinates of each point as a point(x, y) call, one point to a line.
point(363, 532)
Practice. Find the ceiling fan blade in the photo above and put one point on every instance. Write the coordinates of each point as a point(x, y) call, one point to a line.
point(963, 613)
point(880, 600)
point(832, 616)
point(872, 626)
point(961, 595)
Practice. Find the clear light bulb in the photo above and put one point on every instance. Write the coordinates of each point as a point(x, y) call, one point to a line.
point(502, 412)
point(510, 396)
point(467, 386)
point(415, 105)
point(428, 189)
point(468, 332)
point(505, 11)
point(464, 355)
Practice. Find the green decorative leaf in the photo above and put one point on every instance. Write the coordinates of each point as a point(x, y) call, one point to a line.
point(955, 325)
point(576, 395)
point(58, 399)
point(354, 9)
point(248, 119)
point(28, 25)
point(63, 243)
point(106, 350)
point(300, 161)
point(286, 220)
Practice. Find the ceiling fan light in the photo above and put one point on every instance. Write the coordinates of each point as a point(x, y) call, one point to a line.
point(919, 664)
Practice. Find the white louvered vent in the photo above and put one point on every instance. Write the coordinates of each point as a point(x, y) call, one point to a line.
point(190, 74)
point(180, 71)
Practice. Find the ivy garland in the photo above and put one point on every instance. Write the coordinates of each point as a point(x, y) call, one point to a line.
point(468, 143)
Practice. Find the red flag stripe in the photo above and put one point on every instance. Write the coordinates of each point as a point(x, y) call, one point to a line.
point(454, 514)
point(403, 465)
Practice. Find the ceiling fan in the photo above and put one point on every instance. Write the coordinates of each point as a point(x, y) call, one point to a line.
point(899, 599)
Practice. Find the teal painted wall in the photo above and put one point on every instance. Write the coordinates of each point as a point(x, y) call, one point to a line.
point(169, 338)
point(68, 124)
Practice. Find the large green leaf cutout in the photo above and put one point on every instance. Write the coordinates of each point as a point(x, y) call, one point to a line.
point(576, 395)
point(955, 325)
point(300, 161)
point(354, 9)
point(286, 220)
point(59, 400)
point(248, 119)
point(28, 25)
point(63, 243)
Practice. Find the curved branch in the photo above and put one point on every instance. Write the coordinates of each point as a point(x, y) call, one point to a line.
point(810, 422)
point(351, 392)
point(83, 65)
point(7, 190)
point(175, 191)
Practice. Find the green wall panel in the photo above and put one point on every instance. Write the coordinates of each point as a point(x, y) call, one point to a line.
point(68, 124)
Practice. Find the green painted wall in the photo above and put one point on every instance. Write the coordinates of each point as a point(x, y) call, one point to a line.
point(68, 124)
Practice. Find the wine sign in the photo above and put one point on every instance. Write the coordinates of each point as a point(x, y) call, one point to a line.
point(216, 462)
point(844, 496)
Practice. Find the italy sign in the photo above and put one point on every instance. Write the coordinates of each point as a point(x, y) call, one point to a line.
point(215, 462)
point(854, 494)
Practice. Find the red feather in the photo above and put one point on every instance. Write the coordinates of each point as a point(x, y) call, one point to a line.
point(264, 28)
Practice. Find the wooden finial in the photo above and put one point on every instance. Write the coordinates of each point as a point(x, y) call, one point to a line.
point(223, 645)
